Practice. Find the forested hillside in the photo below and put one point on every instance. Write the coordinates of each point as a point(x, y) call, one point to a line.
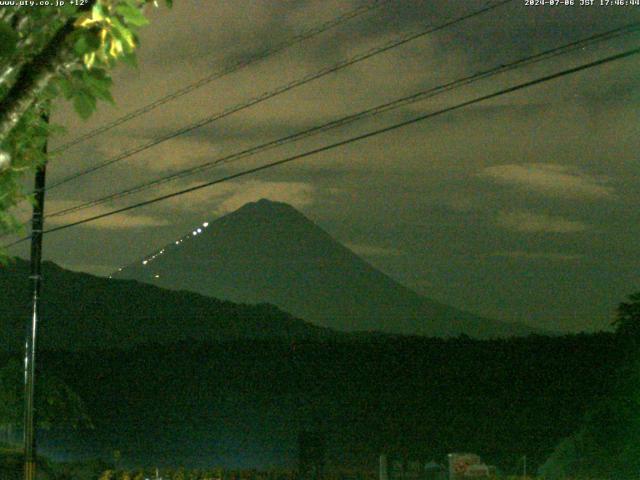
point(243, 403)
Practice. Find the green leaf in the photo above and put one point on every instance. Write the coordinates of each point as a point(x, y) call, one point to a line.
point(131, 15)
point(99, 84)
point(78, 75)
point(87, 43)
point(98, 12)
point(123, 34)
point(84, 104)
point(81, 46)
point(66, 87)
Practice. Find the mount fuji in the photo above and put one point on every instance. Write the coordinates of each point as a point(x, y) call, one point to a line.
point(269, 252)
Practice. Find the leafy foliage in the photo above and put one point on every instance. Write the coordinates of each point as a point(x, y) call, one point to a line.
point(12, 466)
point(607, 444)
point(56, 403)
point(49, 53)
point(416, 396)
point(627, 322)
point(107, 475)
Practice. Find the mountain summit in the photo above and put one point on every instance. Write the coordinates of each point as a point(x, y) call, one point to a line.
point(269, 252)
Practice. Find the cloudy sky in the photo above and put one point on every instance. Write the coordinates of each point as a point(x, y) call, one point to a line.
point(521, 208)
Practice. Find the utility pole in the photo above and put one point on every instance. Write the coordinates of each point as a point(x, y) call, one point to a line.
point(37, 224)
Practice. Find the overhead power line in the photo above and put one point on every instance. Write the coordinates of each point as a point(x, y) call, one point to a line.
point(379, 109)
point(341, 143)
point(234, 67)
point(394, 43)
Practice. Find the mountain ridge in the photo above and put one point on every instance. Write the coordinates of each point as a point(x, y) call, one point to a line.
point(268, 251)
point(82, 311)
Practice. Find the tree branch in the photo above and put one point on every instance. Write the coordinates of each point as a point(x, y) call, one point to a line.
point(33, 79)
point(35, 75)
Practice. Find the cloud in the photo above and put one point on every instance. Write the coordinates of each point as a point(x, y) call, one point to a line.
point(529, 222)
point(554, 256)
point(118, 221)
point(549, 179)
point(372, 250)
point(235, 195)
point(179, 152)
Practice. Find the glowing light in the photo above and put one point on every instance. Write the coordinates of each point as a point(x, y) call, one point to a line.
point(157, 276)
point(144, 262)
point(177, 243)
point(194, 233)
point(205, 224)
point(199, 230)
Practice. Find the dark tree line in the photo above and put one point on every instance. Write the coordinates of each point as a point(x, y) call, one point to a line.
point(607, 444)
